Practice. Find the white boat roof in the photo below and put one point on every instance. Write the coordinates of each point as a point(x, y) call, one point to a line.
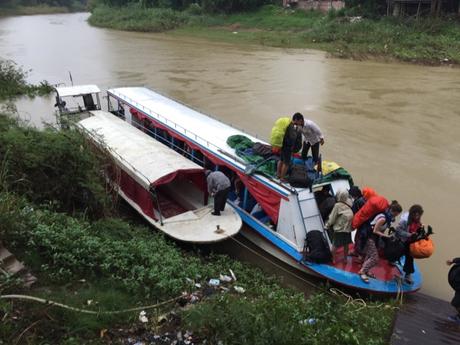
point(77, 90)
point(203, 129)
point(142, 157)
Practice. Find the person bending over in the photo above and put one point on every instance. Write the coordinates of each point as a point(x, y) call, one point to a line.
point(218, 187)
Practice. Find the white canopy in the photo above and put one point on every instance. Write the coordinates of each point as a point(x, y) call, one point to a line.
point(77, 90)
point(142, 157)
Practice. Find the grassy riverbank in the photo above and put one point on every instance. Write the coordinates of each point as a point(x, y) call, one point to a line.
point(426, 41)
point(58, 216)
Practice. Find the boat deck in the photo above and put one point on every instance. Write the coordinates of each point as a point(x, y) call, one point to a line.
point(423, 320)
point(383, 271)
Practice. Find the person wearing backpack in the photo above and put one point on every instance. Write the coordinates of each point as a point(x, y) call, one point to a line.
point(406, 231)
point(454, 281)
point(377, 227)
point(340, 222)
point(358, 202)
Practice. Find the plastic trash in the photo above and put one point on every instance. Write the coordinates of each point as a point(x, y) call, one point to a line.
point(142, 317)
point(225, 278)
point(198, 285)
point(310, 321)
point(239, 289)
point(214, 282)
point(232, 274)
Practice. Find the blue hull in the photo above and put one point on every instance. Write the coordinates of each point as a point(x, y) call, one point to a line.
point(341, 277)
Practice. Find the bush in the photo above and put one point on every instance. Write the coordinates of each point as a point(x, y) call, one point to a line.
point(284, 317)
point(52, 167)
point(13, 82)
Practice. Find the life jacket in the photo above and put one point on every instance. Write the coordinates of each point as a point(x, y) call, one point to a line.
point(373, 206)
point(278, 131)
point(422, 249)
point(454, 277)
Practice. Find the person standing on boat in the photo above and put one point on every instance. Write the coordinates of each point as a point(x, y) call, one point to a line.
point(218, 187)
point(406, 231)
point(340, 222)
point(312, 138)
point(454, 281)
point(379, 224)
point(358, 202)
point(292, 142)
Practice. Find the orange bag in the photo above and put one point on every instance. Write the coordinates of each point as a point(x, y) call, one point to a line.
point(422, 249)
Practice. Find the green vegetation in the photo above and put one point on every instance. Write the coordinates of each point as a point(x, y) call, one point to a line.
point(30, 7)
point(13, 82)
point(54, 217)
point(427, 41)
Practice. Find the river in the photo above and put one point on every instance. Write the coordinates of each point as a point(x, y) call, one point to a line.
point(395, 127)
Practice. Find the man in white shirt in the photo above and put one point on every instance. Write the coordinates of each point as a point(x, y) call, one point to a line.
point(312, 137)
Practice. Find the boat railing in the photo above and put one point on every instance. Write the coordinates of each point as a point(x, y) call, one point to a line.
point(197, 138)
point(168, 122)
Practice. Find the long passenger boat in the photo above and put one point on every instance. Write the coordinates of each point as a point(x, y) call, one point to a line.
point(284, 214)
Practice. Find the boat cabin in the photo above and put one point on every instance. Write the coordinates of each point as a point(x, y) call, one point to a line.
point(76, 101)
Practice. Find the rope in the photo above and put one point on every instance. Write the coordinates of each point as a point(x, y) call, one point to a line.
point(278, 266)
point(331, 291)
point(86, 311)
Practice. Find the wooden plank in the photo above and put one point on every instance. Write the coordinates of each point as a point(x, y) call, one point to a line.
point(423, 320)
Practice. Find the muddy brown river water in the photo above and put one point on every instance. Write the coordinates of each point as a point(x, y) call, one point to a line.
point(395, 127)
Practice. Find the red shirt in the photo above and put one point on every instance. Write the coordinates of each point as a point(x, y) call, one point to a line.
point(414, 227)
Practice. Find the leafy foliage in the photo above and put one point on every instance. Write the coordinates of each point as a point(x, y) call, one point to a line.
point(209, 6)
point(279, 316)
point(56, 168)
point(13, 82)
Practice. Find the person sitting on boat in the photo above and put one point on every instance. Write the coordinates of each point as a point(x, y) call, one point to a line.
point(379, 224)
point(218, 187)
point(406, 231)
point(312, 138)
point(292, 142)
point(340, 222)
point(454, 282)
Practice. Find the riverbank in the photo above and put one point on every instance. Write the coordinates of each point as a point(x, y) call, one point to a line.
point(427, 41)
point(33, 10)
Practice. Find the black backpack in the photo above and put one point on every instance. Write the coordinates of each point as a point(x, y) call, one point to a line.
point(316, 248)
point(454, 277)
point(394, 249)
point(299, 177)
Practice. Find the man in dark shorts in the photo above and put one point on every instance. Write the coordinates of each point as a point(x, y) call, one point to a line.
point(218, 187)
point(292, 142)
point(454, 281)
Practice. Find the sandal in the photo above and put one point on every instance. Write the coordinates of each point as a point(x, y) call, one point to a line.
point(364, 278)
point(408, 280)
